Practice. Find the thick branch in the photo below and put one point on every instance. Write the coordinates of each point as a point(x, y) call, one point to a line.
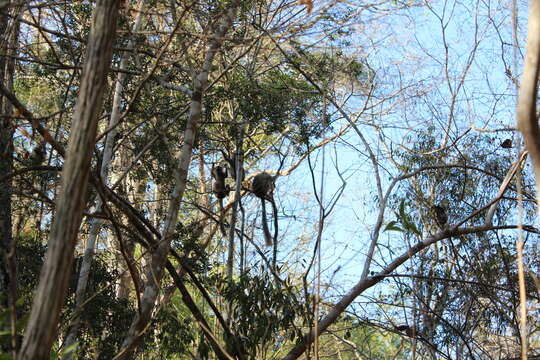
point(526, 110)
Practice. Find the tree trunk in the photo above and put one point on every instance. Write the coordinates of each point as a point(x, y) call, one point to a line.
point(528, 93)
point(42, 325)
point(8, 265)
point(159, 255)
point(97, 223)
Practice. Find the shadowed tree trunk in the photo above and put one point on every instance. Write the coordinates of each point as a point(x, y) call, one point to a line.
point(42, 325)
point(6, 164)
point(8, 266)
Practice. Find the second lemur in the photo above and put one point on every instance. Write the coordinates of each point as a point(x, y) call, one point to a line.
point(441, 218)
point(221, 191)
point(263, 187)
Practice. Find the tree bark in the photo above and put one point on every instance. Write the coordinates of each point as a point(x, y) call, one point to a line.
point(528, 125)
point(97, 223)
point(51, 291)
point(8, 265)
point(6, 165)
point(526, 109)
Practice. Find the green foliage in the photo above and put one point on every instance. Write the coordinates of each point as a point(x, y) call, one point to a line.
point(171, 334)
point(37, 95)
point(325, 68)
point(187, 241)
point(262, 310)
point(276, 100)
point(5, 322)
point(29, 256)
point(353, 339)
point(105, 318)
point(405, 220)
point(393, 226)
point(486, 260)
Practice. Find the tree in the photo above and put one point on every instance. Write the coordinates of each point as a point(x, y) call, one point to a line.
point(41, 329)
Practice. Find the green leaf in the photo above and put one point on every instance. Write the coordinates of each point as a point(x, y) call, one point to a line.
point(70, 349)
point(393, 226)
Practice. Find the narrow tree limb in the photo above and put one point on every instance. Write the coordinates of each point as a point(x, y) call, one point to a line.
point(43, 131)
point(188, 300)
point(186, 268)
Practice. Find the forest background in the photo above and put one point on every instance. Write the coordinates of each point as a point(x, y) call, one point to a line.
point(403, 215)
